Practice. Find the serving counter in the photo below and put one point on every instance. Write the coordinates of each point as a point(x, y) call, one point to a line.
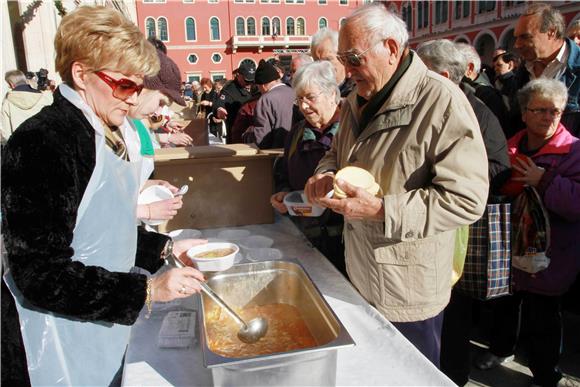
point(381, 356)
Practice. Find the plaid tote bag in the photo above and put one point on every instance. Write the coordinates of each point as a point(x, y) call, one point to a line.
point(486, 273)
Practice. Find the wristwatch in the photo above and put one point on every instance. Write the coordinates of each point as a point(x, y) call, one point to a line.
point(170, 258)
point(167, 251)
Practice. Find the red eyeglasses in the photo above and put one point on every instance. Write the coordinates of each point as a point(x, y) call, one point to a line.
point(122, 88)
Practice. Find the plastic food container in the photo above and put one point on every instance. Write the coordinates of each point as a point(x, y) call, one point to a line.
point(263, 254)
point(213, 263)
point(298, 205)
point(185, 233)
point(256, 242)
point(152, 194)
point(233, 234)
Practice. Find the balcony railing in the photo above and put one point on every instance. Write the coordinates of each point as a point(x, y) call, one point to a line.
point(261, 41)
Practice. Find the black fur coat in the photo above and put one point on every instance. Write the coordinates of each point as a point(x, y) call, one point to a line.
point(46, 166)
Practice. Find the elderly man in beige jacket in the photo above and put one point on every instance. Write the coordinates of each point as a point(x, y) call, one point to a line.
point(416, 133)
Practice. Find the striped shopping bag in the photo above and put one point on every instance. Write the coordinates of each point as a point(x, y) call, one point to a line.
point(486, 273)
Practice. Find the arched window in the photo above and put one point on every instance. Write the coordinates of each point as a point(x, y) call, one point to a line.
point(190, 29)
point(240, 26)
point(214, 24)
point(150, 27)
point(276, 26)
point(265, 26)
point(290, 29)
point(322, 23)
point(341, 22)
point(251, 22)
point(162, 27)
point(425, 13)
point(249, 63)
point(300, 27)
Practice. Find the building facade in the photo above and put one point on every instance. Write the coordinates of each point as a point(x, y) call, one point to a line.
point(484, 24)
point(211, 38)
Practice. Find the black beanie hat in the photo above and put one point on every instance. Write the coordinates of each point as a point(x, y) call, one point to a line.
point(168, 80)
point(266, 72)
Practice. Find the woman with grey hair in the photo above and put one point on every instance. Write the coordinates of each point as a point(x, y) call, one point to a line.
point(547, 157)
point(318, 98)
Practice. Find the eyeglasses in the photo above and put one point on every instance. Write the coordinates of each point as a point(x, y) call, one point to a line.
point(554, 112)
point(353, 59)
point(309, 99)
point(155, 118)
point(122, 88)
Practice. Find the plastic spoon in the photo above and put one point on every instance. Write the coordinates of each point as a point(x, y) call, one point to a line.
point(183, 190)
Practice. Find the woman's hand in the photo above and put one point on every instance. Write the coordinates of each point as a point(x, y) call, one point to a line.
point(531, 173)
point(180, 247)
point(277, 201)
point(160, 210)
point(175, 283)
point(180, 139)
point(174, 126)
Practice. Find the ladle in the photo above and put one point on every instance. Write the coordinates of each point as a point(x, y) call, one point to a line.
point(249, 332)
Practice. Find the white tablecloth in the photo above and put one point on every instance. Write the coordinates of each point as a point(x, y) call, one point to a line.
point(382, 356)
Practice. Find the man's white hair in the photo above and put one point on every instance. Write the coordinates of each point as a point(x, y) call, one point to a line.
point(442, 55)
point(303, 59)
point(379, 24)
point(470, 55)
point(321, 36)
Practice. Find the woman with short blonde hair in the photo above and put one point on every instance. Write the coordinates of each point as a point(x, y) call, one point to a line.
point(69, 201)
point(102, 39)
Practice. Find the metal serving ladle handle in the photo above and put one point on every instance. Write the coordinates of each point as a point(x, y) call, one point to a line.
point(222, 303)
point(172, 259)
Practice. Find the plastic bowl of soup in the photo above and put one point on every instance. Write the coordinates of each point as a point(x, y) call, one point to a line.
point(213, 256)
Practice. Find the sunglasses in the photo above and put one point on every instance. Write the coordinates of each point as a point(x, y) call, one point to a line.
point(122, 88)
point(353, 59)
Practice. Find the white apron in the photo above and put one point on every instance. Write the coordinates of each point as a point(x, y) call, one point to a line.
point(62, 351)
point(133, 142)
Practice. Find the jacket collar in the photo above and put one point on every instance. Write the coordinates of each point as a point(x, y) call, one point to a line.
point(573, 64)
point(26, 88)
point(405, 94)
point(560, 143)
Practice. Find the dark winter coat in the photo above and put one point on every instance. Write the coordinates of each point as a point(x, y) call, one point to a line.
point(46, 166)
point(493, 139)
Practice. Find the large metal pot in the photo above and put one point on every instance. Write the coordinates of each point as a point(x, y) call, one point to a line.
point(273, 282)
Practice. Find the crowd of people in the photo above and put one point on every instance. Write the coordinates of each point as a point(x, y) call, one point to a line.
point(442, 136)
